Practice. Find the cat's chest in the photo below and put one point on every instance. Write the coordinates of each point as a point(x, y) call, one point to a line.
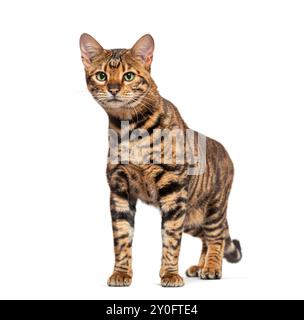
point(142, 184)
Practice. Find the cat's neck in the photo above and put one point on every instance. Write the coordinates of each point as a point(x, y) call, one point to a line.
point(147, 107)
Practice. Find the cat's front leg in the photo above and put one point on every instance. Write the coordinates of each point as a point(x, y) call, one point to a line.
point(123, 214)
point(173, 202)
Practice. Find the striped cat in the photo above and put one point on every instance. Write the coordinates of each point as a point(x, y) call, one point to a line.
point(121, 82)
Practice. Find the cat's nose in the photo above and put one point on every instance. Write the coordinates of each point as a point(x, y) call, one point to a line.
point(114, 88)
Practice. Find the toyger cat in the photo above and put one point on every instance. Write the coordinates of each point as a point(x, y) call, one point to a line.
point(121, 82)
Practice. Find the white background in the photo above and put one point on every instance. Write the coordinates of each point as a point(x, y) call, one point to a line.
point(235, 69)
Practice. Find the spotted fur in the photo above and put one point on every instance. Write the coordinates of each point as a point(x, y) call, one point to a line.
point(196, 205)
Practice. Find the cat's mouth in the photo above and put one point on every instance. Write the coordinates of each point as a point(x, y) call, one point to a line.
point(114, 100)
point(117, 102)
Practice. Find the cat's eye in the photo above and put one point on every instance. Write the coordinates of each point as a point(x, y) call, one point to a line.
point(101, 76)
point(129, 76)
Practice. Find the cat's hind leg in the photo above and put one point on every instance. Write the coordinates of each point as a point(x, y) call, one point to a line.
point(194, 271)
point(215, 228)
point(212, 233)
point(210, 263)
point(212, 268)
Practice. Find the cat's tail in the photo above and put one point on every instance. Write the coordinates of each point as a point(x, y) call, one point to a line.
point(233, 250)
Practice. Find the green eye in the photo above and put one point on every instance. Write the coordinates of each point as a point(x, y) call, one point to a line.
point(129, 76)
point(101, 76)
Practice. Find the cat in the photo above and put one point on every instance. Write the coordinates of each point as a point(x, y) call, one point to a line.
point(120, 81)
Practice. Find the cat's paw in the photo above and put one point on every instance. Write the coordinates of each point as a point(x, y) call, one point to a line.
point(119, 279)
point(193, 272)
point(172, 280)
point(210, 274)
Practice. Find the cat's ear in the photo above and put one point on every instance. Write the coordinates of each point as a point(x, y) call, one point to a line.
point(90, 49)
point(143, 50)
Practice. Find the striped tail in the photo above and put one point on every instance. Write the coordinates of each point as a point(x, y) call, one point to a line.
point(233, 250)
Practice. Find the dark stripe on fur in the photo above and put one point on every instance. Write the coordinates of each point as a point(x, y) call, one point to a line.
point(170, 188)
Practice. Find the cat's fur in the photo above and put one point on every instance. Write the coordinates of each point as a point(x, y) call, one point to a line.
point(193, 204)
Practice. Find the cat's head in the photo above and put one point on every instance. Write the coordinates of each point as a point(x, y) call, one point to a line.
point(118, 78)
